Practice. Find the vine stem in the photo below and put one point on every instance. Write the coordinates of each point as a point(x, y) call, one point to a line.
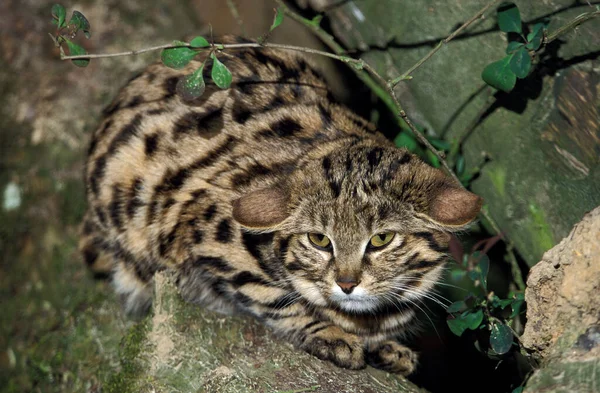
point(571, 25)
point(480, 14)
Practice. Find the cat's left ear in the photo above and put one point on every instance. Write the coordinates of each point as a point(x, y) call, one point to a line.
point(454, 206)
point(262, 209)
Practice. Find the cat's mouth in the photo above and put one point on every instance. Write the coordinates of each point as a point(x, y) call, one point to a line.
point(355, 303)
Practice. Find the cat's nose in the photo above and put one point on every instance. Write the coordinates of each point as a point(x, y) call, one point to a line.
point(347, 286)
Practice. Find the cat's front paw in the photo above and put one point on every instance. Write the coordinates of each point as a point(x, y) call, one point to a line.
point(392, 357)
point(334, 344)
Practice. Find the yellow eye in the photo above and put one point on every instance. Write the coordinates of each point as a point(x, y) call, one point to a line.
point(319, 240)
point(381, 239)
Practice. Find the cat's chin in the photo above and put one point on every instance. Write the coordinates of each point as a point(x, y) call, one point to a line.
point(357, 306)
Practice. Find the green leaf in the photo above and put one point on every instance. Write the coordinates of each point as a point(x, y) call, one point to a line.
point(484, 268)
point(466, 178)
point(517, 304)
point(404, 139)
point(501, 338)
point(509, 18)
point(199, 42)
point(458, 306)
point(499, 75)
point(59, 13)
point(220, 74)
point(457, 326)
point(460, 165)
point(474, 319)
point(76, 50)
point(513, 46)
point(81, 23)
point(277, 19)
point(177, 58)
point(316, 21)
point(440, 144)
point(191, 86)
point(518, 390)
point(500, 303)
point(457, 274)
point(520, 63)
point(535, 37)
point(467, 320)
point(432, 159)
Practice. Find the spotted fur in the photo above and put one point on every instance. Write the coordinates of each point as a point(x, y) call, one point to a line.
point(223, 191)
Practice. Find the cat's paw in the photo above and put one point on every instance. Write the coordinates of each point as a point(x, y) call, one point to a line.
point(334, 344)
point(392, 357)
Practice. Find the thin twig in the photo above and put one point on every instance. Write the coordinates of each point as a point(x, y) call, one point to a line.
point(345, 59)
point(571, 25)
point(514, 267)
point(236, 15)
point(478, 15)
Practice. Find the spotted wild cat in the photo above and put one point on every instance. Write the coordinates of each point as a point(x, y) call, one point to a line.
point(270, 199)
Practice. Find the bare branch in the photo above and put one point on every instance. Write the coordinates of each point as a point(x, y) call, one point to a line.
point(477, 16)
point(571, 25)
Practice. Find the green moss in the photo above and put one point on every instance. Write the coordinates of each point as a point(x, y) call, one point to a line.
point(540, 229)
point(498, 177)
point(566, 377)
point(127, 381)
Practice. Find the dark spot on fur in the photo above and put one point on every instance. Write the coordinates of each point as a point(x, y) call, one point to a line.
point(224, 233)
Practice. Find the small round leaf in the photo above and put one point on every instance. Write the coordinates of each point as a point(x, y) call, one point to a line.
point(76, 50)
point(520, 63)
point(509, 18)
point(474, 319)
point(220, 74)
point(501, 338)
point(517, 304)
point(458, 306)
point(199, 42)
point(499, 75)
point(535, 37)
point(59, 13)
point(513, 46)
point(177, 58)
point(81, 23)
point(191, 86)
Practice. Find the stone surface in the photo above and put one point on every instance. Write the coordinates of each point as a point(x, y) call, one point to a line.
point(563, 312)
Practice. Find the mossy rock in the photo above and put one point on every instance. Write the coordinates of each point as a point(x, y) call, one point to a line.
point(181, 347)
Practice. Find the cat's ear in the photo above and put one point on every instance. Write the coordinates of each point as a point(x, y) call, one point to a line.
point(261, 209)
point(454, 206)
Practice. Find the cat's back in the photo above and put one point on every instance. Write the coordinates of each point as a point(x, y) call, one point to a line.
point(157, 160)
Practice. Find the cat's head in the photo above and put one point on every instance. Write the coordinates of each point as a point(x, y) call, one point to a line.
point(361, 228)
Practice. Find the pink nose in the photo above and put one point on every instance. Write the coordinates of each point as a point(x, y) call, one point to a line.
point(347, 286)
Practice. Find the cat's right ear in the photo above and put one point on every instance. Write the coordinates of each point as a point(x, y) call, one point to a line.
point(262, 209)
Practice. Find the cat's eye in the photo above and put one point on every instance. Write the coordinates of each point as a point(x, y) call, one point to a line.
point(320, 241)
point(380, 240)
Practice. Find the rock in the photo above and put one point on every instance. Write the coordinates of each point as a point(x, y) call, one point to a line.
point(181, 347)
point(563, 312)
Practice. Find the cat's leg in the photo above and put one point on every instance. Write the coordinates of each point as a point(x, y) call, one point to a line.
point(392, 357)
point(95, 252)
point(322, 339)
point(136, 295)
